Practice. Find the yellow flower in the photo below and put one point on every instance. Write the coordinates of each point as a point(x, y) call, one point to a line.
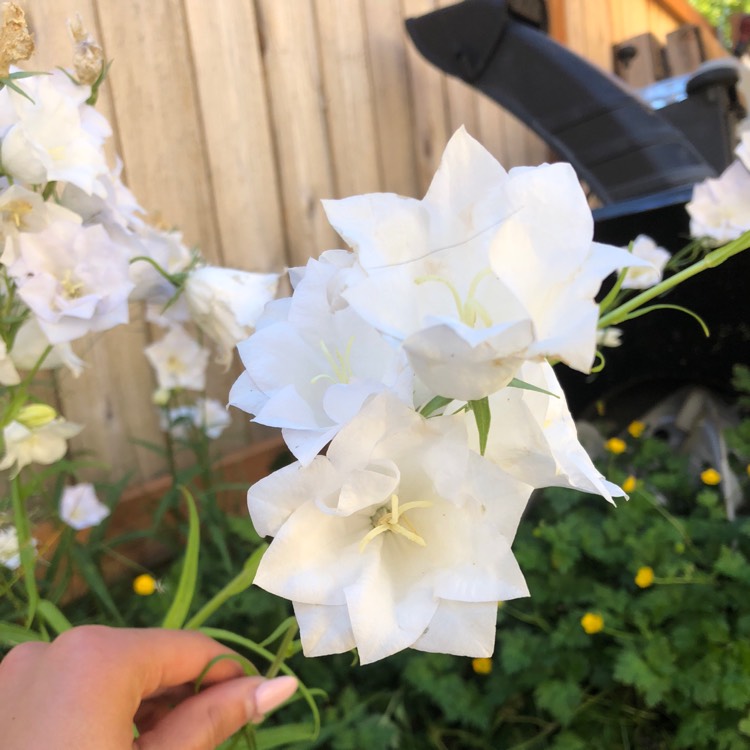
point(481, 666)
point(636, 428)
point(629, 484)
point(616, 445)
point(644, 577)
point(711, 477)
point(144, 585)
point(592, 623)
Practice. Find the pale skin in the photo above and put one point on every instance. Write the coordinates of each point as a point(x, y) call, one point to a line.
point(87, 689)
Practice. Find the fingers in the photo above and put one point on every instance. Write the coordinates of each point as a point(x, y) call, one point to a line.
point(204, 721)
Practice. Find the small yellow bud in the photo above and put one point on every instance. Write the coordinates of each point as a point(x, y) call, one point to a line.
point(481, 666)
point(636, 428)
point(711, 477)
point(629, 484)
point(644, 577)
point(679, 548)
point(601, 408)
point(616, 445)
point(36, 415)
point(161, 396)
point(144, 585)
point(592, 623)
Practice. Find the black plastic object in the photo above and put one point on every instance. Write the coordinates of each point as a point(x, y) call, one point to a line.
point(618, 144)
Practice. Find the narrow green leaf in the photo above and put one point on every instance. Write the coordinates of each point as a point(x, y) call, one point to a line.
point(94, 580)
point(481, 409)
point(12, 635)
point(516, 383)
point(54, 617)
point(434, 404)
point(286, 735)
point(178, 610)
point(237, 585)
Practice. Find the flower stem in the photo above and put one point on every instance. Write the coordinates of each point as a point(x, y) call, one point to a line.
point(282, 651)
point(26, 550)
point(711, 260)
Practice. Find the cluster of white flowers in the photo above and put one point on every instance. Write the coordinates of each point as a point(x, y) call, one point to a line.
point(76, 250)
point(396, 354)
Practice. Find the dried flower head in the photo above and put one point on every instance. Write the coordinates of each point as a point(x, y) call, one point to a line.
point(88, 57)
point(16, 43)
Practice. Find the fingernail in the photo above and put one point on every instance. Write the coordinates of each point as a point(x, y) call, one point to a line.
point(268, 695)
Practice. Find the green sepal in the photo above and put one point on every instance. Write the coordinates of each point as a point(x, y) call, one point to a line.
point(434, 404)
point(516, 383)
point(481, 409)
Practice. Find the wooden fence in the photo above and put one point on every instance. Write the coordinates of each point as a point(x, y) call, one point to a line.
point(234, 118)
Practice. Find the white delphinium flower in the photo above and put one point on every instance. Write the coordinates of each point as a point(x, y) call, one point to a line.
point(54, 137)
point(488, 269)
point(179, 361)
point(80, 508)
point(10, 553)
point(400, 537)
point(8, 372)
point(226, 303)
point(533, 436)
point(37, 435)
point(74, 279)
point(313, 361)
point(720, 207)
point(23, 210)
point(29, 345)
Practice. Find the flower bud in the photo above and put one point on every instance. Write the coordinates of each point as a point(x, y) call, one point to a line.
point(36, 415)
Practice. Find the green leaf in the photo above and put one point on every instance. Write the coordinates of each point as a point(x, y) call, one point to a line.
point(481, 409)
point(523, 385)
point(560, 697)
point(434, 404)
point(12, 635)
point(183, 598)
point(286, 735)
point(53, 617)
point(237, 585)
point(94, 580)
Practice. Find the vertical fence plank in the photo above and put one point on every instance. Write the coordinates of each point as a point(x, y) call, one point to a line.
point(386, 44)
point(348, 100)
point(291, 60)
point(431, 122)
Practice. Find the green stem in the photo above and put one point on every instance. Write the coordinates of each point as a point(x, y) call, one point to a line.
point(282, 651)
point(711, 260)
point(26, 549)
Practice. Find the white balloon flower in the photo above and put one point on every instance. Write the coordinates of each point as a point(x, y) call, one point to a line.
point(400, 537)
point(80, 508)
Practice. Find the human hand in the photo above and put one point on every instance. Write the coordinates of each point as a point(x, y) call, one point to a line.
point(86, 689)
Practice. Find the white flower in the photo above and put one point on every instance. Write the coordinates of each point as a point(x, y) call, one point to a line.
point(8, 373)
point(611, 337)
point(490, 268)
point(211, 416)
point(398, 538)
point(10, 553)
point(80, 508)
point(54, 137)
point(225, 303)
point(29, 345)
point(206, 414)
point(23, 210)
point(179, 361)
point(643, 277)
point(313, 361)
point(74, 279)
point(168, 251)
point(545, 253)
point(720, 207)
point(533, 437)
point(42, 441)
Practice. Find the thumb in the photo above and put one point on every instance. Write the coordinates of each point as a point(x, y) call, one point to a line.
point(205, 720)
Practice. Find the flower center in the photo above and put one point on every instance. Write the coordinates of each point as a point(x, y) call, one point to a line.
point(175, 364)
point(340, 363)
point(394, 520)
point(71, 289)
point(469, 309)
point(15, 211)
